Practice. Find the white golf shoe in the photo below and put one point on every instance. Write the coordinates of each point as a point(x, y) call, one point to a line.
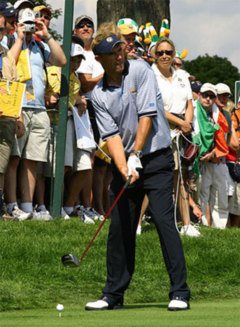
point(178, 303)
point(103, 304)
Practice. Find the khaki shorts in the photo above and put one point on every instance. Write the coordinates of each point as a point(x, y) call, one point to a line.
point(46, 168)
point(33, 145)
point(7, 132)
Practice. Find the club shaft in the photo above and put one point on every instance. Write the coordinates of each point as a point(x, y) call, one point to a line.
point(107, 215)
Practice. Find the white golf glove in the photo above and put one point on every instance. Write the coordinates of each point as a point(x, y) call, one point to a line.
point(133, 164)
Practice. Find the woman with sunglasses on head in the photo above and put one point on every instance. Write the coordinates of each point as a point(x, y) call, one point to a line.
point(177, 100)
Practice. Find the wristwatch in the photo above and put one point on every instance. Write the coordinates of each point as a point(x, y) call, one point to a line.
point(138, 153)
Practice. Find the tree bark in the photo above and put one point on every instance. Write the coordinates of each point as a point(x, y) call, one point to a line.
point(142, 11)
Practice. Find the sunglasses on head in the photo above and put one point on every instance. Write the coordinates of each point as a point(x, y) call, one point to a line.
point(81, 25)
point(207, 95)
point(161, 53)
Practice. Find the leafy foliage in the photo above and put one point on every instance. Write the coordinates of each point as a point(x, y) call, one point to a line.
point(55, 14)
point(213, 70)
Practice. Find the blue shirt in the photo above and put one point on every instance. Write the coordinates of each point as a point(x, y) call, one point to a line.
point(37, 62)
point(118, 109)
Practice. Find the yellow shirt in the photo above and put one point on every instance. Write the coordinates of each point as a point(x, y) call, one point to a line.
point(54, 86)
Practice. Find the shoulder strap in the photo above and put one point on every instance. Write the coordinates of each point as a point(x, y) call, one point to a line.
point(1, 64)
point(10, 40)
point(41, 47)
point(238, 122)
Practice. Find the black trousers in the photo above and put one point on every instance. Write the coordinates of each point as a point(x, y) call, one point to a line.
point(156, 180)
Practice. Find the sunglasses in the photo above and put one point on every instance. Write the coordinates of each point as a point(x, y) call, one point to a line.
point(177, 64)
point(225, 95)
point(162, 52)
point(2, 29)
point(207, 95)
point(81, 25)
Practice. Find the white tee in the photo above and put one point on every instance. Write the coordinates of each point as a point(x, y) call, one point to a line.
point(90, 66)
point(175, 94)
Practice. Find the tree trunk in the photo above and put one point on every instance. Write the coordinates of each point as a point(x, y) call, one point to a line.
point(142, 11)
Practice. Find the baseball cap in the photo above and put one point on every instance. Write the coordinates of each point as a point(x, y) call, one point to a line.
point(82, 17)
point(223, 88)
point(208, 87)
point(18, 3)
point(196, 86)
point(77, 50)
point(107, 44)
point(7, 9)
point(39, 8)
point(26, 16)
point(127, 29)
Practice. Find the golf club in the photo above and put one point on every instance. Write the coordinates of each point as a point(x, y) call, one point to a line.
point(70, 260)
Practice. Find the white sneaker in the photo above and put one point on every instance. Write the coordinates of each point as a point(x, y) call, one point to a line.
point(178, 303)
point(146, 219)
point(190, 230)
point(139, 230)
point(42, 215)
point(87, 220)
point(64, 214)
point(82, 212)
point(90, 212)
point(98, 215)
point(20, 215)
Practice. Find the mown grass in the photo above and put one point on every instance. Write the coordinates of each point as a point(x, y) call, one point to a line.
point(32, 276)
point(202, 314)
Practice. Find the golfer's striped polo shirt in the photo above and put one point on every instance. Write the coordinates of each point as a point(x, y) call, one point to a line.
point(118, 109)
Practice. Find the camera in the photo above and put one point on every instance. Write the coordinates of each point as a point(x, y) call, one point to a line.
point(139, 51)
point(30, 27)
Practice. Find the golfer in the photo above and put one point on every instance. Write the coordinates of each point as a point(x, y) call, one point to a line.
point(131, 119)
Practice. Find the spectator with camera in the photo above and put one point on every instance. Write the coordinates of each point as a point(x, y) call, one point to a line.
point(8, 125)
point(32, 147)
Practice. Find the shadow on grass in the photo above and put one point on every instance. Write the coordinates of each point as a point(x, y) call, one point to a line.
point(144, 306)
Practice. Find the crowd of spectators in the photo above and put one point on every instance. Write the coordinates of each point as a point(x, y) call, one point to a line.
point(201, 113)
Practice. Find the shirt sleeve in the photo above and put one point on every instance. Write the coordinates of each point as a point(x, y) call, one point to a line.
point(146, 91)
point(106, 124)
point(47, 51)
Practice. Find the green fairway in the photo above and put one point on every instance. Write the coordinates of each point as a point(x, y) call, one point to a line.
point(202, 314)
point(33, 279)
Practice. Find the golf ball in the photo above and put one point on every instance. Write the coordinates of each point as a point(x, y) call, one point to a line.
point(60, 307)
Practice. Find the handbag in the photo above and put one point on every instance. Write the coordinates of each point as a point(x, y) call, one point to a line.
point(234, 170)
point(191, 152)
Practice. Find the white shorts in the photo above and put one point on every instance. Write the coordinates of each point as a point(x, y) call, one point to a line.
point(76, 158)
point(231, 183)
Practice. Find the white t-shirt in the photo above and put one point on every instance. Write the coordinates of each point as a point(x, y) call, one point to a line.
point(90, 66)
point(175, 94)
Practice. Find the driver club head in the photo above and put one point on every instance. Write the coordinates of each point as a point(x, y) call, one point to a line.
point(70, 260)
